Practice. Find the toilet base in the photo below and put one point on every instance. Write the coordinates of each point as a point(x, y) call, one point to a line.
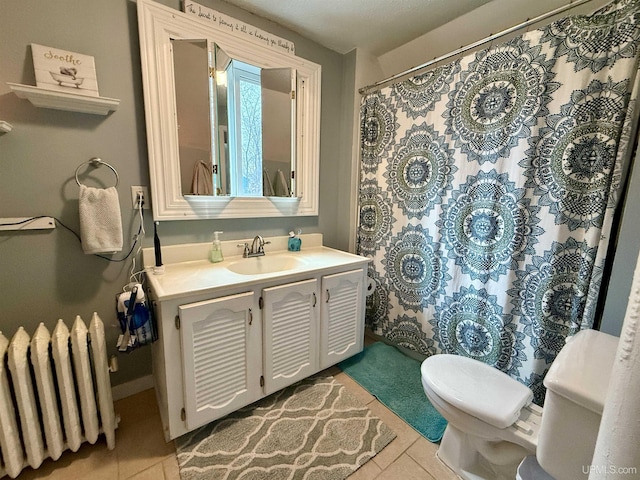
point(475, 458)
point(529, 469)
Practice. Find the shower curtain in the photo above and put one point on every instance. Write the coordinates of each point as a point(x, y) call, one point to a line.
point(488, 188)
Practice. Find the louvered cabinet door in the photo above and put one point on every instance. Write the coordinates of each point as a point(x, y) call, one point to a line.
point(342, 324)
point(221, 352)
point(290, 314)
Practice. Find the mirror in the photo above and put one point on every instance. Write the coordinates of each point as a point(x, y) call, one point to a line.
point(232, 125)
point(213, 92)
point(193, 112)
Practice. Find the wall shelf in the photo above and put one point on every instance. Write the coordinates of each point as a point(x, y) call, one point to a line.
point(27, 223)
point(5, 127)
point(72, 102)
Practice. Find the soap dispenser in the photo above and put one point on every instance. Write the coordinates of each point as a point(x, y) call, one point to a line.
point(215, 255)
point(295, 242)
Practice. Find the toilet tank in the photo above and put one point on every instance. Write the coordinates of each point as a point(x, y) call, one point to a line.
point(577, 385)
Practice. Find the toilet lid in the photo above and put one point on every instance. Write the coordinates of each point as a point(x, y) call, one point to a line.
point(476, 388)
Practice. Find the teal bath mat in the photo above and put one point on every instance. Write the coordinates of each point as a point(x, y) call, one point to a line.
point(394, 379)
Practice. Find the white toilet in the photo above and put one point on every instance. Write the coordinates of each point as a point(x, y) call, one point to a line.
point(493, 425)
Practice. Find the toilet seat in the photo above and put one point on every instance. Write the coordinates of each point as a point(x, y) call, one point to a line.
point(476, 388)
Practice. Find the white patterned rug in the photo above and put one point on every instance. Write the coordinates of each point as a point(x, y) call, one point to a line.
point(313, 429)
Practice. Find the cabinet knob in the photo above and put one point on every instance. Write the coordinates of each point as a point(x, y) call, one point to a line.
point(328, 295)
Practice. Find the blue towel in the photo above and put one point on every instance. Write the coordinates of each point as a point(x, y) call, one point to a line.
point(395, 380)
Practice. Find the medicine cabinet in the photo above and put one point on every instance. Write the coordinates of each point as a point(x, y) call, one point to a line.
point(233, 126)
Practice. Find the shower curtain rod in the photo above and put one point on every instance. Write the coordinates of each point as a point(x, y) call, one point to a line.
point(539, 18)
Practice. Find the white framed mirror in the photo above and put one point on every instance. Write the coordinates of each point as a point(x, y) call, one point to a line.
point(204, 161)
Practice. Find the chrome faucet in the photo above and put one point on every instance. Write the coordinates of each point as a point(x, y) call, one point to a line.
point(257, 247)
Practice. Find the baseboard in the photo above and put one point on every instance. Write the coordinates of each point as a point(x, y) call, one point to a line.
point(131, 388)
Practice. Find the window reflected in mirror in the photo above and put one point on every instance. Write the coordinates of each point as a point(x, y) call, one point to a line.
point(245, 138)
point(236, 123)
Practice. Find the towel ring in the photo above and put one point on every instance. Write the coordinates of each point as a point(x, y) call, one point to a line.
point(96, 163)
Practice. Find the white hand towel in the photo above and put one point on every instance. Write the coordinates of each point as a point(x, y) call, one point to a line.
point(267, 186)
point(202, 181)
point(282, 188)
point(100, 220)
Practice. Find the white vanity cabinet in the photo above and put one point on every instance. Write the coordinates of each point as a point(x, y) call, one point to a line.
point(242, 337)
point(219, 341)
point(342, 326)
point(290, 330)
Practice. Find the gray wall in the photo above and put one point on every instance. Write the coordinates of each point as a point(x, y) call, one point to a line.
point(44, 274)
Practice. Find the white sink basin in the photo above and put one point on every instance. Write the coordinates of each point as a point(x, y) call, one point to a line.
point(265, 264)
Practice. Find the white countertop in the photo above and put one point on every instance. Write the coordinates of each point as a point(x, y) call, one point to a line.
point(200, 276)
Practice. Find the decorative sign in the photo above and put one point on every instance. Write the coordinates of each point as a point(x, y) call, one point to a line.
point(64, 71)
point(238, 28)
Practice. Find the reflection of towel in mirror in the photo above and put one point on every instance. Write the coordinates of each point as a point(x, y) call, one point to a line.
point(100, 220)
point(202, 181)
point(282, 188)
point(267, 186)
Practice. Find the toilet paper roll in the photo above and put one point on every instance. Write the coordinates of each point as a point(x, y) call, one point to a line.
point(371, 286)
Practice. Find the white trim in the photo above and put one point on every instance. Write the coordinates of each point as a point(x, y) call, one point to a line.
point(132, 387)
point(157, 25)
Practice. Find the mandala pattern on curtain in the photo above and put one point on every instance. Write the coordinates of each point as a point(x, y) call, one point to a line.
point(488, 187)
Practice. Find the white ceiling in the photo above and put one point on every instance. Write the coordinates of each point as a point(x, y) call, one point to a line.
point(377, 26)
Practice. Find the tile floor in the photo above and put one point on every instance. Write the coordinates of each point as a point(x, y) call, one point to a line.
point(142, 454)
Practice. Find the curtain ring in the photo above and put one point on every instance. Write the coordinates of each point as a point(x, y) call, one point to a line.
point(97, 163)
